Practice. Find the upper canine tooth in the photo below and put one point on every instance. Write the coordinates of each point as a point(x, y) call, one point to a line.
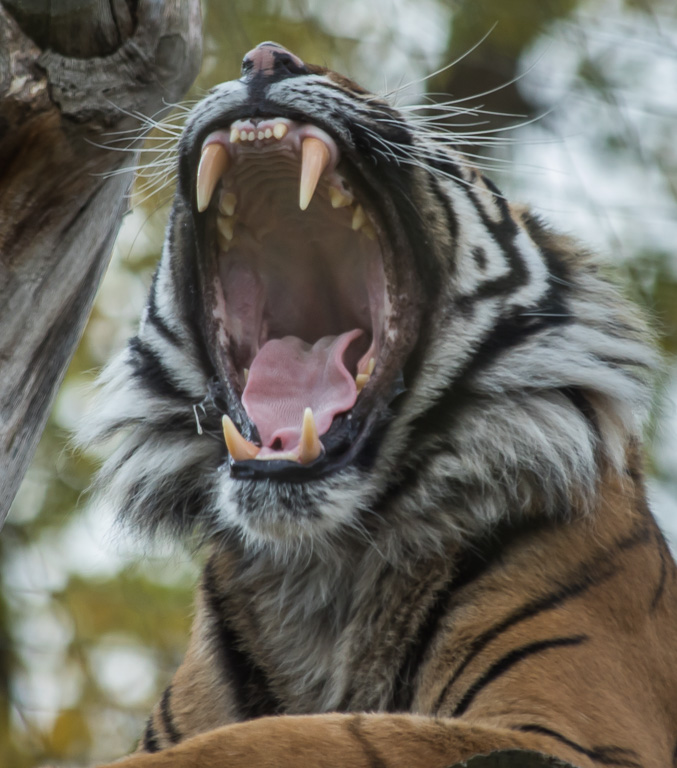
point(311, 447)
point(234, 135)
point(314, 159)
point(239, 448)
point(213, 164)
point(280, 130)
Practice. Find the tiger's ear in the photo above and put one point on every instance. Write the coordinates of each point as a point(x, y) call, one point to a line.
point(513, 758)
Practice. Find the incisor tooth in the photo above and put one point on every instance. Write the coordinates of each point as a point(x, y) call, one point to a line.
point(239, 448)
point(314, 159)
point(227, 203)
point(280, 130)
point(213, 164)
point(311, 447)
point(338, 198)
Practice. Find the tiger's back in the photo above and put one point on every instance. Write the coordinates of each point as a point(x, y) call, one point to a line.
point(452, 554)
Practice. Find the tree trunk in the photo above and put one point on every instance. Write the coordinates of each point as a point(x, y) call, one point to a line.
point(70, 73)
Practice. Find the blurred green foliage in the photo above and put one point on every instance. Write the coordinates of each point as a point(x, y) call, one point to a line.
point(90, 632)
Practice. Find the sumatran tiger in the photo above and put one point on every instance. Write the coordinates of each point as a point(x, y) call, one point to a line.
point(404, 416)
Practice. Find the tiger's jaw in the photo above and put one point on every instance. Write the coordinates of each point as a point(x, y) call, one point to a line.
point(308, 310)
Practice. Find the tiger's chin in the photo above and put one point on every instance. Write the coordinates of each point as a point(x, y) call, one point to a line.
point(290, 520)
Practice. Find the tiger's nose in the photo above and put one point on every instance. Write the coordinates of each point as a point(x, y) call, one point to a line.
point(271, 59)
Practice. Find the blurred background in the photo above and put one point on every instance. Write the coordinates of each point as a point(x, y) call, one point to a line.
point(575, 102)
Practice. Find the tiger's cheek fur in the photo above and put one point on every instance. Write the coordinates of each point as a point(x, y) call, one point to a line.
point(482, 571)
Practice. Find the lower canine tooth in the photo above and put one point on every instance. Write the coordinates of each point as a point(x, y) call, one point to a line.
point(213, 164)
point(239, 448)
point(311, 447)
point(314, 159)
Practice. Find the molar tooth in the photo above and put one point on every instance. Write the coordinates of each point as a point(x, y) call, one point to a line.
point(226, 225)
point(362, 378)
point(287, 456)
point(227, 203)
point(359, 218)
point(311, 447)
point(239, 448)
point(314, 159)
point(280, 130)
point(368, 230)
point(213, 164)
point(338, 198)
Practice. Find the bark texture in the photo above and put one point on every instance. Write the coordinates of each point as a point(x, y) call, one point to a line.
point(70, 72)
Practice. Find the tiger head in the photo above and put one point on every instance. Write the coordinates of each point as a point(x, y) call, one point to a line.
point(351, 333)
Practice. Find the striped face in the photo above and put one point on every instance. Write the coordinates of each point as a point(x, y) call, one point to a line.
point(351, 330)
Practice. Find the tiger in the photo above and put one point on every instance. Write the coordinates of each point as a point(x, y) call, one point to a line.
point(403, 418)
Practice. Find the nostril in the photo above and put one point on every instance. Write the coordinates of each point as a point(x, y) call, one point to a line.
point(286, 63)
point(247, 65)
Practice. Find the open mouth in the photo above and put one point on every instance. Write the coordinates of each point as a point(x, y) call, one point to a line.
point(301, 312)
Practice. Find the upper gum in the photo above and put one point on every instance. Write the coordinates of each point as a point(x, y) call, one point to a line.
point(296, 132)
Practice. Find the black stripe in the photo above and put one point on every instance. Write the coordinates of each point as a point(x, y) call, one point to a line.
point(607, 755)
point(476, 559)
point(249, 683)
point(591, 573)
point(660, 588)
point(371, 753)
point(155, 318)
point(171, 730)
point(150, 742)
point(508, 661)
point(147, 367)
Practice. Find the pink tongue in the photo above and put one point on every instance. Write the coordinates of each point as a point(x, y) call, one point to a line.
point(287, 376)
